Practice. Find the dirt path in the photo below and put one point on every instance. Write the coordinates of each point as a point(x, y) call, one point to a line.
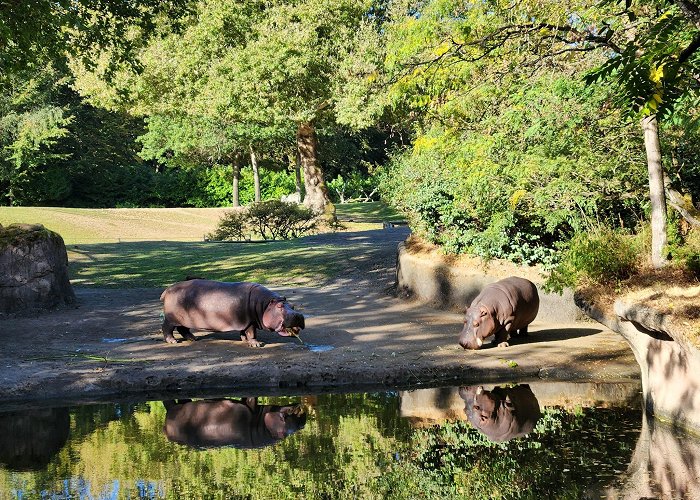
point(357, 336)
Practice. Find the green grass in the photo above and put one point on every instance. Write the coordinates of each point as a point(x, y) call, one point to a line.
point(158, 264)
point(155, 247)
point(102, 225)
point(366, 212)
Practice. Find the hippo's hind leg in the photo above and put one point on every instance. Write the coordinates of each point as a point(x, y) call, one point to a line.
point(168, 332)
point(186, 333)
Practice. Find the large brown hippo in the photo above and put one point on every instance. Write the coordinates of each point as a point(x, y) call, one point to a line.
point(502, 308)
point(503, 413)
point(223, 307)
point(229, 422)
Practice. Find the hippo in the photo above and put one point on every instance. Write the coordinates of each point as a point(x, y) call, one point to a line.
point(228, 422)
point(503, 413)
point(224, 306)
point(504, 307)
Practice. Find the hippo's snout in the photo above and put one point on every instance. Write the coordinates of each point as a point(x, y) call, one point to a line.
point(291, 324)
point(294, 320)
point(469, 340)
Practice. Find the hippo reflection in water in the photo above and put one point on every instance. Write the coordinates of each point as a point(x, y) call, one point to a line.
point(229, 422)
point(503, 413)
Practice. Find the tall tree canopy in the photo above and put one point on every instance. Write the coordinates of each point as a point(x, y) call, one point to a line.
point(243, 76)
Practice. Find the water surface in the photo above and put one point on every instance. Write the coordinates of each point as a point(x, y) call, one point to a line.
point(373, 445)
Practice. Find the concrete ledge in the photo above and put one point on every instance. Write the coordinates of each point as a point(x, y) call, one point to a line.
point(445, 284)
point(670, 365)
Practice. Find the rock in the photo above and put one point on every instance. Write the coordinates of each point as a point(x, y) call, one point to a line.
point(35, 270)
point(669, 363)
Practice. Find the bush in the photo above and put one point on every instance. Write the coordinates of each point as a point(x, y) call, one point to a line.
point(270, 220)
point(602, 256)
point(232, 226)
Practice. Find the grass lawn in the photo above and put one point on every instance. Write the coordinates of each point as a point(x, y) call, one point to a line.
point(102, 225)
point(154, 247)
point(366, 212)
point(158, 264)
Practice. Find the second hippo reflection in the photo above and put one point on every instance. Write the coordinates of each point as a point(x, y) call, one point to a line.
point(503, 413)
point(229, 422)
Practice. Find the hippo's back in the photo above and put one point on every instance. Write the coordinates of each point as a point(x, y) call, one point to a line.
point(512, 295)
point(209, 305)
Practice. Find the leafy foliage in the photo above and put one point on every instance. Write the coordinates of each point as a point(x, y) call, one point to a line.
point(534, 172)
point(600, 256)
point(270, 220)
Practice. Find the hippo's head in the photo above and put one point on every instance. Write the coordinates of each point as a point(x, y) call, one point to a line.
point(479, 323)
point(286, 421)
point(503, 413)
point(280, 317)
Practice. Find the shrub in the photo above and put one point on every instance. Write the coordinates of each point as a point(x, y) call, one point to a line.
point(270, 220)
point(602, 256)
point(232, 226)
point(276, 219)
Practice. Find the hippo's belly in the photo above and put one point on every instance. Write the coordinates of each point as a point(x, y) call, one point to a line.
point(209, 309)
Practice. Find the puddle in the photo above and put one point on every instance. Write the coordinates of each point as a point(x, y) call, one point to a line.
point(478, 441)
point(113, 341)
point(320, 348)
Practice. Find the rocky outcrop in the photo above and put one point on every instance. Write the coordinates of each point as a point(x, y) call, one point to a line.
point(669, 362)
point(34, 267)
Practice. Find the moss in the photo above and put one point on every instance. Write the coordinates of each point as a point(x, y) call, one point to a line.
point(23, 234)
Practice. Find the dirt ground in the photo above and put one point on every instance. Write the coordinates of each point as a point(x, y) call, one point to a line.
point(357, 336)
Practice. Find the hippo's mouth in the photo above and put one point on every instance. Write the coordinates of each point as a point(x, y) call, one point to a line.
point(288, 331)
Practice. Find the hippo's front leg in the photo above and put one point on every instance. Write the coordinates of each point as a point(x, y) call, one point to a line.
point(249, 336)
point(501, 338)
point(168, 332)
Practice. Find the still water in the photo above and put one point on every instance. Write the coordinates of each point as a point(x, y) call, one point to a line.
point(508, 441)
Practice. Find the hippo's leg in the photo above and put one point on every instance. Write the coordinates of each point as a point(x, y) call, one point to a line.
point(522, 332)
point(249, 336)
point(501, 338)
point(168, 332)
point(186, 333)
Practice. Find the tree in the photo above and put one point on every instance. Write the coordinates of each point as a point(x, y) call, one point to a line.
point(648, 48)
point(37, 32)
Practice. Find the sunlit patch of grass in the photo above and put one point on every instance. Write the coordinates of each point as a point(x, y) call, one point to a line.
point(157, 264)
point(363, 212)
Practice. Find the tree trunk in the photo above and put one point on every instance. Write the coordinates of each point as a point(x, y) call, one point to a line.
point(236, 167)
point(656, 190)
point(256, 174)
point(316, 191)
point(299, 188)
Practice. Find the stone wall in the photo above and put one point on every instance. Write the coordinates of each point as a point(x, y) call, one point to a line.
point(670, 365)
point(34, 267)
point(452, 284)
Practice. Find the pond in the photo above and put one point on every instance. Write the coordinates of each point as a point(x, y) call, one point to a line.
point(514, 441)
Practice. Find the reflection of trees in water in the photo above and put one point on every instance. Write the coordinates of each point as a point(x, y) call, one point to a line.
point(567, 454)
point(29, 439)
point(352, 445)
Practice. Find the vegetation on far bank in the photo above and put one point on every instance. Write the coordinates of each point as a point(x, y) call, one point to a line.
point(492, 136)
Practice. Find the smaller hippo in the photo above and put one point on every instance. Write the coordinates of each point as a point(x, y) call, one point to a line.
point(223, 307)
point(504, 307)
point(503, 413)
